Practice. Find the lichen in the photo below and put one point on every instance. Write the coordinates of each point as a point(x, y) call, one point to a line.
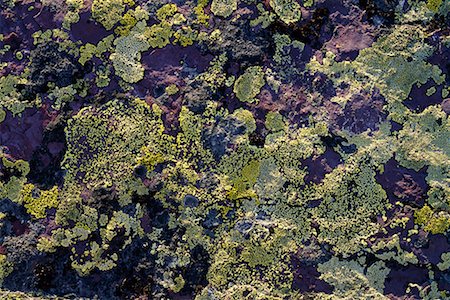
point(352, 281)
point(109, 12)
point(127, 55)
point(37, 201)
point(249, 84)
point(289, 11)
point(350, 198)
point(393, 64)
point(103, 143)
point(434, 223)
point(223, 8)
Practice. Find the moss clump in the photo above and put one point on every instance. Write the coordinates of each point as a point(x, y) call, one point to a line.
point(249, 85)
point(37, 202)
point(289, 11)
point(223, 8)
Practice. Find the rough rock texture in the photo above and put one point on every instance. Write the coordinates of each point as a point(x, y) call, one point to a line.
point(225, 149)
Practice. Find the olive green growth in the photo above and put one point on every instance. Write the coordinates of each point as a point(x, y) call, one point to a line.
point(434, 223)
point(249, 85)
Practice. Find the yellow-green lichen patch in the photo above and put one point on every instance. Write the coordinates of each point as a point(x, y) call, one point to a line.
point(351, 197)
point(393, 64)
point(254, 248)
point(247, 118)
point(432, 222)
point(434, 4)
point(104, 142)
point(127, 55)
point(38, 201)
point(249, 85)
point(274, 121)
point(289, 11)
point(6, 267)
point(109, 12)
point(223, 8)
point(172, 89)
point(10, 95)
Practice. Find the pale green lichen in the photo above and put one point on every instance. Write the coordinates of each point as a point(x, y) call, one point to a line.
point(289, 11)
point(10, 95)
point(274, 121)
point(352, 281)
point(127, 55)
point(351, 197)
point(249, 84)
point(247, 118)
point(390, 249)
point(12, 188)
point(264, 19)
point(223, 8)
point(109, 12)
point(445, 263)
point(2, 115)
point(393, 64)
point(215, 76)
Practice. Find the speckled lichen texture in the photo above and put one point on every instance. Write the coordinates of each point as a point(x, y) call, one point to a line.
point(225, 149)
